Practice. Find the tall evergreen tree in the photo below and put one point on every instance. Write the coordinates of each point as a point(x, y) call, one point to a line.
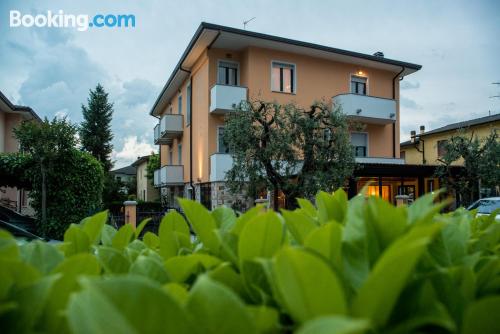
point(95, 130)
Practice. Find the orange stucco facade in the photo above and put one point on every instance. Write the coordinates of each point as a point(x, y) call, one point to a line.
point(316, 79)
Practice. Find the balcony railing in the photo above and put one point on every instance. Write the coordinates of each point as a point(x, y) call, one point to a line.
point(224, 98)
point(169, 127)
point(375, 160)
point(170, 175)
point(220, 163)
point(369, 109)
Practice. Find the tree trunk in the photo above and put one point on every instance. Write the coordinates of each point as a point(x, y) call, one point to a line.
point(275, 199)
point(44, 194)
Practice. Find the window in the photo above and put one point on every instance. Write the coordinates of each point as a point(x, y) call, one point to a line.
point(283, 77)
point(441, 147)
point(358, 85)
point(171, 156)
point(179, 152)
point(188, 103)
point(179, 104)
point(227, 73)
point(221, 144)
point(144, 194)
point(359, 141)
point(170, 110)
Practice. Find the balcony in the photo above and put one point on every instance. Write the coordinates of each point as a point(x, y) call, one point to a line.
point(368, 109)
point(220, 163)
point(171, 175)
point(224, 98)
point(375, 160)
point(169, 127)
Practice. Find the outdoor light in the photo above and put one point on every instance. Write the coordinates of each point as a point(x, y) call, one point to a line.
point(361, 72)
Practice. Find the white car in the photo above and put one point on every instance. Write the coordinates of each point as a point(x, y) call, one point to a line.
point(485, 206)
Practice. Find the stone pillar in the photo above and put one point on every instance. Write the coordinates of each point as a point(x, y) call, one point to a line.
point(131, 213)
point(402, 200)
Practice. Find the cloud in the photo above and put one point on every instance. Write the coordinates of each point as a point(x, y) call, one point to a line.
point(409, 85)
point(131, 150)
point(409, 103)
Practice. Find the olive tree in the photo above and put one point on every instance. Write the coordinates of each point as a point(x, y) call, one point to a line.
point(287, 148)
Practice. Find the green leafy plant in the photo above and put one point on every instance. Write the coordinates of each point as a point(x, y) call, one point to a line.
point(336, 266)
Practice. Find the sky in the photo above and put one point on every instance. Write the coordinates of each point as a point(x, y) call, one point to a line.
point(52, 69)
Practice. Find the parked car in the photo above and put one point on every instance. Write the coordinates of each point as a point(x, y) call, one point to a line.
point(485, 206)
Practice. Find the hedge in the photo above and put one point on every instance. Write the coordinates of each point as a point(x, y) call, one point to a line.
point(339, 266)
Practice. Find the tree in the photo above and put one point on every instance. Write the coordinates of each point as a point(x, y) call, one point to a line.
point(66, 184)
point(95, 130)
point(481, 165)
point(153, 164)
point(46, 142)
point(289, 149)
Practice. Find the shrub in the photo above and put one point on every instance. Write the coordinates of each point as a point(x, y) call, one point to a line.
point(338, 267)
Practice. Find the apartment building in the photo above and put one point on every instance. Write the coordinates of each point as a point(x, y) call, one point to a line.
point(223, 66)
point(11, 116)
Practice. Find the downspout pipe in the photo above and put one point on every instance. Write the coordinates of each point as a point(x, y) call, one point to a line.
point(394, 98)
point(190, 135)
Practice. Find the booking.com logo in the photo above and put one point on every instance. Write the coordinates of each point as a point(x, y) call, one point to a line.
point(81, 22)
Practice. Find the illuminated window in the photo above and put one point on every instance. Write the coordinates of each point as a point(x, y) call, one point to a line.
point(283, 77)
point(358, 85)
point(374, 191)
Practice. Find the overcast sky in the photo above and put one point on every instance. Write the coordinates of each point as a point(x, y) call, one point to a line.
point(52, 69)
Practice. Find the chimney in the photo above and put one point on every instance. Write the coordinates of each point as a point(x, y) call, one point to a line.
point(422, 129)
point(379, 54)
point(413, 134)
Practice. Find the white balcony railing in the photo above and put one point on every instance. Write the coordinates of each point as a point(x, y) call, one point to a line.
point(169, 176)
point(169, 127)
point(369, 109)
point(220, 163)
point(375, 160)
point(224, 98)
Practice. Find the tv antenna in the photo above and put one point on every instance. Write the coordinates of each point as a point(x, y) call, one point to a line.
point(247, 21)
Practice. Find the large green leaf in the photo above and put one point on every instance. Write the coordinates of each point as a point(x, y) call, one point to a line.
point(307, 207)
point(327, 242)
point(388, 222)
point(69, 270)
point(141, 226)
point(224, 217)
point(112, 260)
point(93, 225)
point(107, 234)
point(216, 309)
point(203, 224)
point(151, 268)
point(266, 318)
point(335, 324)
point(245, 218)
point(76, 241)
point(125, 305)
point(29, 301)
point(173, 233)
point(481, 316)
point(308, 285)
point(180, 268)
point(41, 255)
point(261, 237)
point(376, 298)
point(299, 224)
point(450, 245)
point(332, 206)
point(123, 237)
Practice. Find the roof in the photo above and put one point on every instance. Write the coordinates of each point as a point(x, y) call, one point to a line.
point(458, 125)
point(19, 109)
point(213, 35)
point(128, 170)
point(141, 160)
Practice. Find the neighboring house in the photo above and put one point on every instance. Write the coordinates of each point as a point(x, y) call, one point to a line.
point(11, 116)
point(125, 175)
point(223, 66)
point(427, 147)
point(145, 189)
